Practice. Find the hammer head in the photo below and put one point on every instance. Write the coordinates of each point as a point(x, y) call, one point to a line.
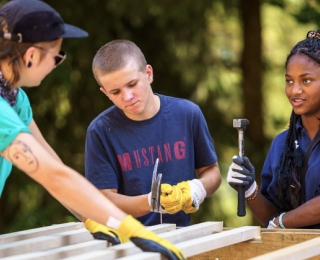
point(240, 123)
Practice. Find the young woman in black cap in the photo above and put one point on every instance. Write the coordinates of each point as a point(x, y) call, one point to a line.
point(31, 34)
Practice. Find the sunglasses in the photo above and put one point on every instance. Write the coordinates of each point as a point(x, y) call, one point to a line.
point(59, 58)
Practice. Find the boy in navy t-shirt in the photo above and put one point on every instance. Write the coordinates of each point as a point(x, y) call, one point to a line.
point(124, 141)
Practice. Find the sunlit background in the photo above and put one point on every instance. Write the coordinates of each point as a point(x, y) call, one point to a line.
point(195, 48)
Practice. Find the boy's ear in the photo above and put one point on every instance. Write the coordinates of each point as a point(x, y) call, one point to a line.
point(103, 91)
point(149, 72)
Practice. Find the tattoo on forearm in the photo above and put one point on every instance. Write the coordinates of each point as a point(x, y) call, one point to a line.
point(20, 155)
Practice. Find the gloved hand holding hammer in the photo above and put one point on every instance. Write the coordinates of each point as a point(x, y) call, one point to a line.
point(186, 196)
point(242, 173)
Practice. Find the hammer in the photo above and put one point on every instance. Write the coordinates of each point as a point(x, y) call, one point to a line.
point(240, 125)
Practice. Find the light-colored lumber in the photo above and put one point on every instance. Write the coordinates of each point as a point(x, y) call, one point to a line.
point(222, 239)
point(193, 231)
point(142, 256)
point(290, 230)
point(208, 240)
point(37, 232)
point(179, 235)
point(271, 240)
point(162, 228)
point(80, 248)
point(45, 242)
point(302, 250)
point(62, 252)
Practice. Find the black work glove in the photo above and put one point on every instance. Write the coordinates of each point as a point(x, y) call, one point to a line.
point(241, 173)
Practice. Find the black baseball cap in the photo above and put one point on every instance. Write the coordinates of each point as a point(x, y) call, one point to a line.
point(35, 21)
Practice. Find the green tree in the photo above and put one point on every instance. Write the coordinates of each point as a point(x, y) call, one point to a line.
point(226, 56)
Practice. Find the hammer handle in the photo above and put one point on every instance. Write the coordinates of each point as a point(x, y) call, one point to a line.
point(241, 192)
point(241, 202)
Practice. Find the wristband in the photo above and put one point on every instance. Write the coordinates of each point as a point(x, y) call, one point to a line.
point(249, 192)
point(272, 225)
point(254, 195)
point(280, 220)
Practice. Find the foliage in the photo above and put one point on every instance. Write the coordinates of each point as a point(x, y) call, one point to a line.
point(194, 48)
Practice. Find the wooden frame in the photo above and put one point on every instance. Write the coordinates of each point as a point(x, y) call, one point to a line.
point(272, 244)
point(208, 240)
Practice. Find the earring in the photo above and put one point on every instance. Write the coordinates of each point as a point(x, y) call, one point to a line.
point(29, 64)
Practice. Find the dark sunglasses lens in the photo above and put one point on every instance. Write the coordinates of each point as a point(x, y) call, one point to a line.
point(59, 59)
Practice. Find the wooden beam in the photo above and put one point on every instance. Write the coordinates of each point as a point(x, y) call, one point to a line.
point(66, 250)
point(142, 256)
point(45, 242)
point(162, 228)
point(302, 250)
point(193, 231)
point(179, 235)
point(290, 230)
point(62, 252)
point(37, 232)
point(196, 241)
point(270, 241)
point(222, 239)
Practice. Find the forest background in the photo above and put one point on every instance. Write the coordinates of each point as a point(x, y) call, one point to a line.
point(227, 56)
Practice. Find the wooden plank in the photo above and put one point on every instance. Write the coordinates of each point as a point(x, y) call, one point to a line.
point(45, 242)
point(196, 241)
point(179, 235)
point(162, 228)
point(193, 231)
point(203, 244)
point(270, 241)
point(302, 250)
point(291, 230)
point(62, 252)
point(142, 256)
point(80, 248)
point(37, 232)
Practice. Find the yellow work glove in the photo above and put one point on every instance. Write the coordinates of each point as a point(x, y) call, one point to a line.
point(147, 240)
point(193, 193)
point(171, 199)
point(103, 232)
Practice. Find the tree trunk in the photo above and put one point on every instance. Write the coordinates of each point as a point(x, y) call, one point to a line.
point(251, 65)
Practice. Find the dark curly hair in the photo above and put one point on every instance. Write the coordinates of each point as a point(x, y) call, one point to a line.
point(290, 181)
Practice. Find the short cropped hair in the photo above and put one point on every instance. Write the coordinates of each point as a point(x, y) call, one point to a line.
point(116, 55)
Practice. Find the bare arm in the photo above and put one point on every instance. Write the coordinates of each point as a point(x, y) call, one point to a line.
point(210, 177)
point(62, 182)
point(262, 208)
point(305, 215)
point(39, 137)
point(136, 206)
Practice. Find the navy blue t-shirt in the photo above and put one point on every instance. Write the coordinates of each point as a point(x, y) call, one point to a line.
point(120, 153)
point(312, 178)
